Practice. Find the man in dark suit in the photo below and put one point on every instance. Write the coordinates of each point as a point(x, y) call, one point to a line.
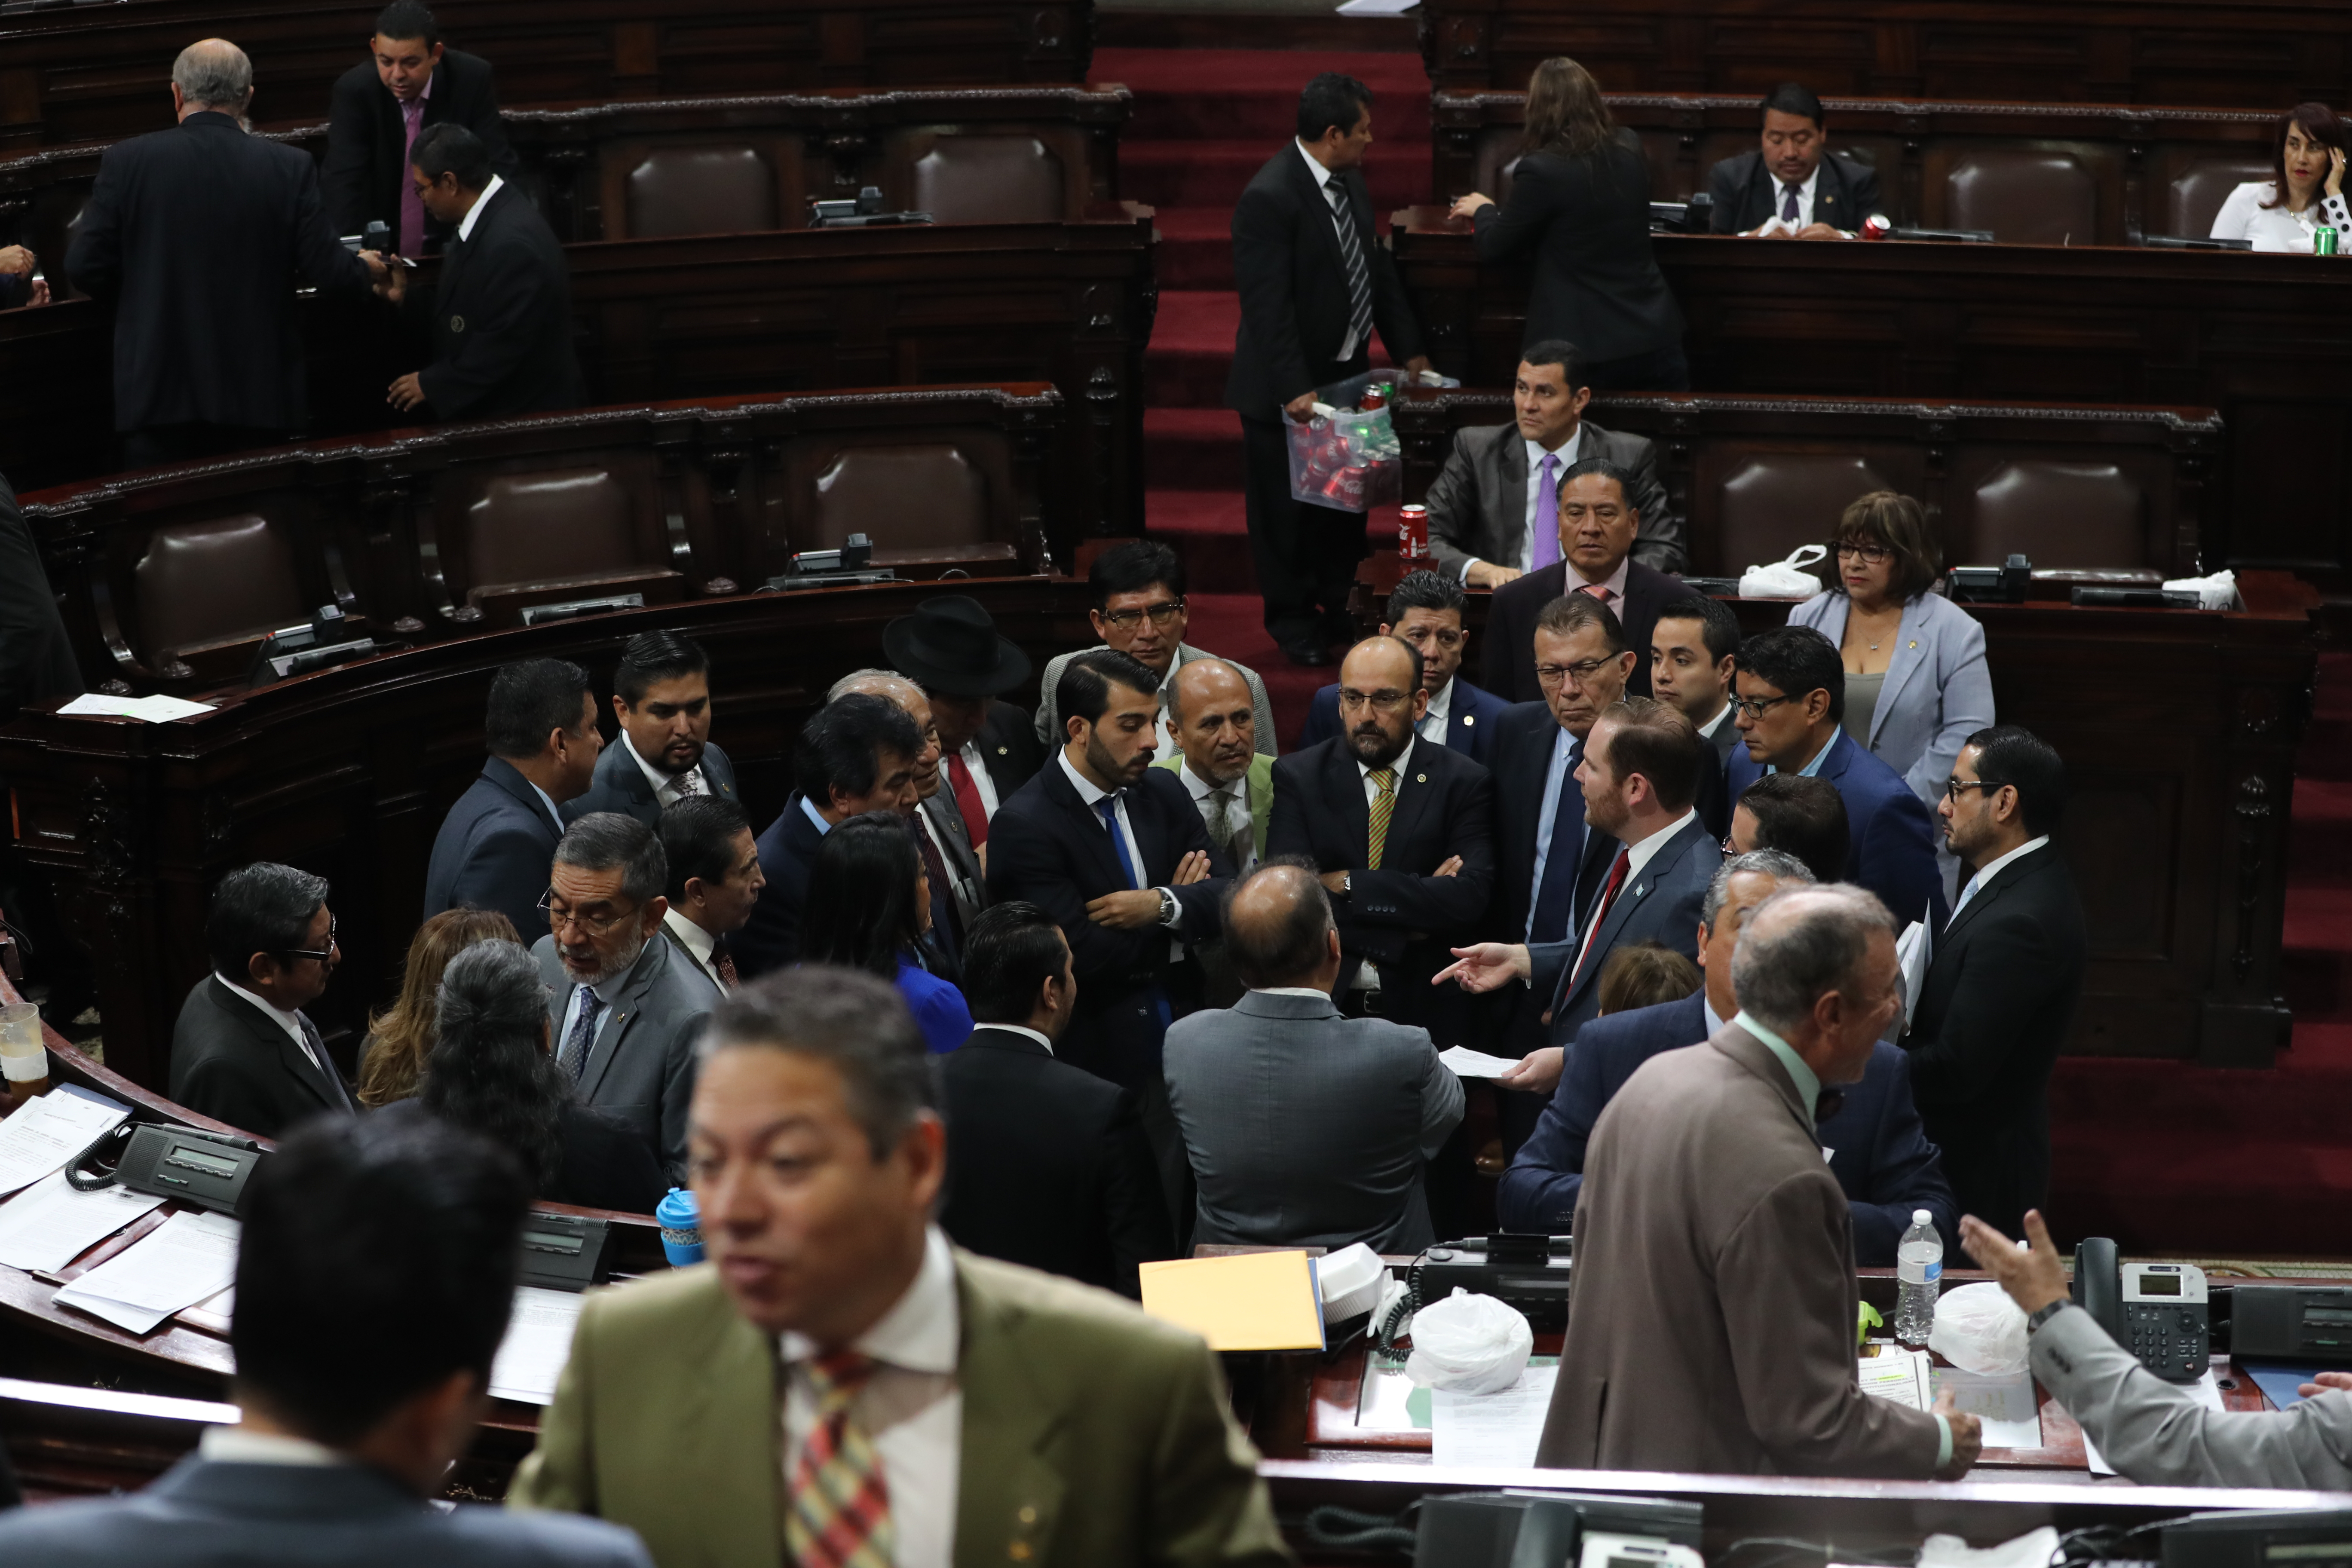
point(244, 1052)
point(1402, 833)
point(2000, 992)
point(195, 236)
point(494, 847)
point(411, 81)
point(715, 883)
point(1788, 188)
point(1792, 701)
point(988, 749)
point(1313, 282)
point(856, 754)
point(1489, 525)
point(1797, 815)
point(1112, 849)
point(1598, 523)
point(1425, 610)
point(1047, 1165)
point(623, 1007)
point(1879, 1154)
point(661, 694)
point(500, 320)
point(357, 1234)
point(1690, 666)
point(951, 862)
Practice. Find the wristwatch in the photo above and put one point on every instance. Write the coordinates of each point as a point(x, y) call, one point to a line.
point(1347, 884)
point(2045, 1314)
point(1169, 908)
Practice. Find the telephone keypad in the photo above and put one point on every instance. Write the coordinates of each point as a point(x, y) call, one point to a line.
point(2172, 1341)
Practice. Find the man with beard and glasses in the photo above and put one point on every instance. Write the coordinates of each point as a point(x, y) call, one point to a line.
point(625, 1006)
point(661, 694)
point(1403, 833)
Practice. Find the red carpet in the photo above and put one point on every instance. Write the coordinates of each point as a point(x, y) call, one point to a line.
point(2158, 1155)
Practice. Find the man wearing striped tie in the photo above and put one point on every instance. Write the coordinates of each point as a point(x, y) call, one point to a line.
point(1315, 283)
point(840, 1387)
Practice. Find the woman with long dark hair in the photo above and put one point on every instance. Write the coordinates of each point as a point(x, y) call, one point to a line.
point(868, 905)
point(2304, 193)
point(492, 1072)
point(1581, 201)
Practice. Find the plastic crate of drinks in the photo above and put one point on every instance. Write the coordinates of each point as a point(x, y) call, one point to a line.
point(1348, 459)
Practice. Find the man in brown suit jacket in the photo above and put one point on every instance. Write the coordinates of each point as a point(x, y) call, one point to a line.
point(1711, 1324)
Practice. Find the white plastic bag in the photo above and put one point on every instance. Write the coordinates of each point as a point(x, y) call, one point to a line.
point(1785, 579)
point(1473, 1344)
point(1978, 1329)
point(2218, 592)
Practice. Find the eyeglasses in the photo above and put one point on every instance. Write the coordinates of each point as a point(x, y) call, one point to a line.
point(1163, 616)
point(1379, 702)
point(313, 952)
point(591, 926)
point(1552, 675)
point(1952, 787)
point(1757, 707)
point(1870, 554)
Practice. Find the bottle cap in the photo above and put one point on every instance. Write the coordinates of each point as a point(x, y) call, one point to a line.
point(1921, 1217)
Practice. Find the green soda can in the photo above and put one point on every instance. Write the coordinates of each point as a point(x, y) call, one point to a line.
point(2322, 243)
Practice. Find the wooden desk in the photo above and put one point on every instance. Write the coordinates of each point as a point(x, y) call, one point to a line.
point(2248, 336)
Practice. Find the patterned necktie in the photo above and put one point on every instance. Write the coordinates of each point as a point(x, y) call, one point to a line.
point(1376, 835)
point(969, 805)
point(1219, 817)
point(412, 205)
point(840, 1505)
point(943, 886)
point(1598, 590)
point(689, 782)
point(583, 1032)
point(1600, 913)
point(1359, 284)
point(1787, 203)
point(1546, 543)
point(722, 963)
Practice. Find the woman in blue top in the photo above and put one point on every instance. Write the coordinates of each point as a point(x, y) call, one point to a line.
point(868, 905)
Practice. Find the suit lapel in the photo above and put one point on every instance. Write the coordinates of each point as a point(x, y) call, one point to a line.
point(268, 1035)
point(1631, 898)
point(1908, 657)
point(632, 1002)
point(1318, 210)
point(1511, 499)
point(729, 1435)
point(2009, 876)
point(1009, 1494)
point(1092, 835)
point(1414, 793)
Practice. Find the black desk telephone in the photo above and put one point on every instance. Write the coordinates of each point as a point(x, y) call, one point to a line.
point(2155, 1311)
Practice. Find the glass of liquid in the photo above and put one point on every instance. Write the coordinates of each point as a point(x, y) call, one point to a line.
point(24, 1061)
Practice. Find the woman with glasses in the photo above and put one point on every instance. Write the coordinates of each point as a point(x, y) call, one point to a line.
point(1916, 682)
point(868, 905)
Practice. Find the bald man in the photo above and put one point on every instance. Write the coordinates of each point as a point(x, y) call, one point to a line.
point(1403, 833)
point(1213, 715)
point(1304, 1128)
point(196, 237)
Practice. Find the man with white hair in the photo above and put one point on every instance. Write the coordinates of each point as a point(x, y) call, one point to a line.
point(196, 235)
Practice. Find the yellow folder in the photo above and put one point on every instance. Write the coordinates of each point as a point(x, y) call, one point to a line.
point(1252, 1301)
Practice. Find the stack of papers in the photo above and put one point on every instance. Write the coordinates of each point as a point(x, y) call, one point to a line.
point(1493, 1429)
point(538, 1343)
point(1463, 1062)
point(49, 1225)
point(156, 709)
point(188, 1257)
point(1251, 1302)
point(1913, 954)
point(2010, 1415)
point(2205, 1391)
point(1904, 1377)
point(50, 1129)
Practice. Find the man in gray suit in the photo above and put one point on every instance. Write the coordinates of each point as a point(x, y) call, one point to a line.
point(1487, 525)
point(624, 1005)
point(1711, 1316)
point(1304, 1129)
point(2155, 1432)
point(661, 694)
point(396, 1232)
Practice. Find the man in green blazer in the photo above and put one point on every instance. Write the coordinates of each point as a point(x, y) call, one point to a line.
point(993, 1414)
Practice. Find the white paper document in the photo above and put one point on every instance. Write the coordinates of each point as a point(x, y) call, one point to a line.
point(156, 709)
point(1377, 7)
point(1899, 1375)
point(1463, 1062)
point(48, 1224)
point(1492, 1429)
point(1913, 954)
point(2004, 1404)
point(185, 1259)
point(50, 1129)
point(2205, 1391)
point(538, 1343)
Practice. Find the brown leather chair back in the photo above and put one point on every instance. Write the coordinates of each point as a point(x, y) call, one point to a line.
point(559, 525)
point(1775, 501)
point(905, 497)
point(2061, 514)
point(202, 584)
point(701, 190)
point(989, 179)
point(2194, 198)
point(2024, 197)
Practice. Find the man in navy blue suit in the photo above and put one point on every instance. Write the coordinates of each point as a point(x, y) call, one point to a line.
point(1425, 610)
point(496, 846)
point(1879, 1152)
point(1791, 708)
point(1115, 851)
point(1640, 775)
point(661, 695)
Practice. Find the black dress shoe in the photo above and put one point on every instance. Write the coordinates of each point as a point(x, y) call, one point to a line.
point(1308, 651)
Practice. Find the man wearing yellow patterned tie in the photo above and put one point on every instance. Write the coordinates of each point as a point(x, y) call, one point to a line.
point(839, 1387)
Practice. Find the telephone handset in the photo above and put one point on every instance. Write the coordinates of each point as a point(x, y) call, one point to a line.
point(2159, 1311)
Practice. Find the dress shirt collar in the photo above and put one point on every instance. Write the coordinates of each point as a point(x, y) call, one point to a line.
point(1722, 716)
point(1813, 769)
point(1087, 791)
point(1639, 855)
point(236, 1446)
point(823, 826)
point(1440, 702)
point(1025, 1031)
point(1706, 1008)
point(653, 776)
point(1808, 1082)
point(698, 942)
point(290, 1022)
point(1322, 174)
point(1396, 765)
point(1201, 789)
point(1615, 582)
point(1992, 869)
point(1567, 452)
point(1306, 990)
point(466, 224)
point(922, 1332)
point(548, 801)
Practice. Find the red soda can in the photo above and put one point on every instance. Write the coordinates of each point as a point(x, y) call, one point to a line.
point(1413, 533)
point(1375, 396)
point(1345, 489)
point(1877, 226)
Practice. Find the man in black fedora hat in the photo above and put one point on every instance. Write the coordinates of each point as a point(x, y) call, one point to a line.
point(988, 747)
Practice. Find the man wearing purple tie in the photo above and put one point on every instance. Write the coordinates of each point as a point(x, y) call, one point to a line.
point(410, 81)
point(1791, 187)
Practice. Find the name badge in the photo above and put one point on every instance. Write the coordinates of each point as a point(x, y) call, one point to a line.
point(457, 323)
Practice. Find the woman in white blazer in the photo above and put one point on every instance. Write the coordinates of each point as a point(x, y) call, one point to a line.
point(1916, 686)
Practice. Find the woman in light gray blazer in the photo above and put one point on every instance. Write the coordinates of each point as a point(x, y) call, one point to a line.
point(1916, 682)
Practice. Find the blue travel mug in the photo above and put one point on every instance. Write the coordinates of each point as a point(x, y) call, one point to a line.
point(681, 1228)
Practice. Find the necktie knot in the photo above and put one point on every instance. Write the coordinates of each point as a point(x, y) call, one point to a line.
point(1384, 780)
point(837, 1378)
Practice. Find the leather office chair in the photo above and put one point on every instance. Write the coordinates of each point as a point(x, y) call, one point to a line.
point(214, 588)
point(2060, 514)
point(2024, 197)
point(906, 497)
point(1775, 501)
point(2193, 198)
point(701, 190)
point(989, 179)
point(557, 534)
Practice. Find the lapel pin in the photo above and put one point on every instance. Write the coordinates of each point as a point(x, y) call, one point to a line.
point(1640, 889)
point(457, 323)
point(1915, 642)
point(1469, 717)
point(1421, 778)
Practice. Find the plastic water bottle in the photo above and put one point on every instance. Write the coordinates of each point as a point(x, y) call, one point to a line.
point(1918, 1271)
